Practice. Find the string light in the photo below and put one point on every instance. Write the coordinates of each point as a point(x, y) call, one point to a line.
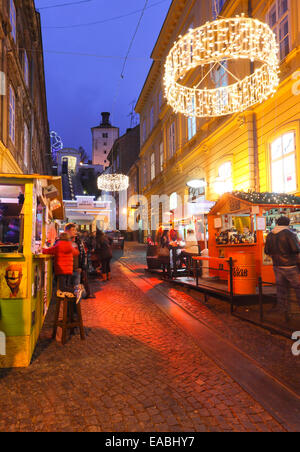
point(238, 38)
point(113, 182)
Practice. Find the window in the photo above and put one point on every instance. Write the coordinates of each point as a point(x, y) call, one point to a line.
point(13, 19)
point(283, 164)
point(152, 118)
point(160, 100)
point(217, 7)
point(104, 135)
point(192, 122)
point(145, 173)
point(26, 145)
point(173, 201)
point(144, 131)
point(278, 19)
point(220, 79)
point(223, 183)
point(172, 139)
point(161, 156)
point(152, 166)
point(26, 69)
point(12, 114)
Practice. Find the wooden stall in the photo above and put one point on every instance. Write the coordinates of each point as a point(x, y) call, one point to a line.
point(238, 226)
point(29, 206)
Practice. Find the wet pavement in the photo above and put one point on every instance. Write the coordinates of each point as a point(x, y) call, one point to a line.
point(136, 371)
point(271, 351)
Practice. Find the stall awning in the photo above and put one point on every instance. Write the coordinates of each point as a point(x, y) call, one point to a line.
point(58, 214)
point(238, 201)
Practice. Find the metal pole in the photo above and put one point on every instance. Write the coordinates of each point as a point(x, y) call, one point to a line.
point(261, 307)
point(231, 284)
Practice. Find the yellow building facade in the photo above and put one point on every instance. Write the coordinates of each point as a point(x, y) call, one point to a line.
point(258, 149)
point(24, 127)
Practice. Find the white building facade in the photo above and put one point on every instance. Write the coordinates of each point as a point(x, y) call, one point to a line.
point(104, 137)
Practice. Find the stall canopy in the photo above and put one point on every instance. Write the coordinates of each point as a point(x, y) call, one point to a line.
point(238, 201)
point(51, 182)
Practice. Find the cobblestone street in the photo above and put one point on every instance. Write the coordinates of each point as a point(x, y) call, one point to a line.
point(137, 371)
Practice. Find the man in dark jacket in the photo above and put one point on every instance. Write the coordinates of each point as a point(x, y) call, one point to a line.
point(283, 246)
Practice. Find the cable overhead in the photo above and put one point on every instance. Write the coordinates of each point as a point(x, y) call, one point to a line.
point(60, 5)
point(133, 37)
point(111, 19)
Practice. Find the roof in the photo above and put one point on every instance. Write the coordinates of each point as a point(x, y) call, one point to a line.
point(58, 214)
point(238, 201)
point(267, 198)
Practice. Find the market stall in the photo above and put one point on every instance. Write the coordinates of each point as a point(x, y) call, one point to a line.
point(29, 206)
point(238, 226)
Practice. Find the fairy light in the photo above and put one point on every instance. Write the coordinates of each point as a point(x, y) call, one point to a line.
point(113, 182)
point(213, 43)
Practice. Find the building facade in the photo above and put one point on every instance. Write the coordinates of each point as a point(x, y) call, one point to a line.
point(104, 137)
point(258, 149)
point(125, 151)
point(24, 128)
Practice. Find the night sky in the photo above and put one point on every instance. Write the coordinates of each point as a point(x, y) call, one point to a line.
point(80, 87)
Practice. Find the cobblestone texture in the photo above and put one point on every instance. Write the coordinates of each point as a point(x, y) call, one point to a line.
point(271, 351)
point(135, 372)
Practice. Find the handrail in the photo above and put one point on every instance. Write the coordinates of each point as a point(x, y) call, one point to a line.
point(208, 258)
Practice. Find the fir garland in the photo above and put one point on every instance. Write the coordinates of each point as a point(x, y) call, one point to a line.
point(267, 198)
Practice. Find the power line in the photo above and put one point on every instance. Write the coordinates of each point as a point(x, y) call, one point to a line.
point(60, 5)
point(84, 54)
point(104, 20)
point(133, 37)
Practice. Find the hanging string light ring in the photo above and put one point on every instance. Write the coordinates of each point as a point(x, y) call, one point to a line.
point(216, 44)
point(113, 182)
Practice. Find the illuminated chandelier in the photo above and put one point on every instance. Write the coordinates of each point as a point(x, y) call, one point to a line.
point(113, 182)
point(214, 44)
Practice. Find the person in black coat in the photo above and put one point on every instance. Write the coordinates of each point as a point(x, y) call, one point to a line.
point(283, 246)
point(104, 253)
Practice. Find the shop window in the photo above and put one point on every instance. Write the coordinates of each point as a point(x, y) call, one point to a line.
point(12, 114)
point(278, 19)
point(11, 224)
point(152, 166)
point(223, 183)
point(13, 19)
point(283, 164)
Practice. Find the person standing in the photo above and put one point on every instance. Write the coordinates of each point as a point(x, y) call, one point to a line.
point(164, 253)
point(283, 246)
point(63, 253)
point(104, 253)
point(78, 261)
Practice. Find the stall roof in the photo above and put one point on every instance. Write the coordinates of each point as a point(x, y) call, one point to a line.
point(238, 201)
point(52, 180)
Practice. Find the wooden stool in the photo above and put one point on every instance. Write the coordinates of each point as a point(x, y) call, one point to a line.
point(67, 322)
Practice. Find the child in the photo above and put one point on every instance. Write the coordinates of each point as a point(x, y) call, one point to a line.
point(63, 253)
